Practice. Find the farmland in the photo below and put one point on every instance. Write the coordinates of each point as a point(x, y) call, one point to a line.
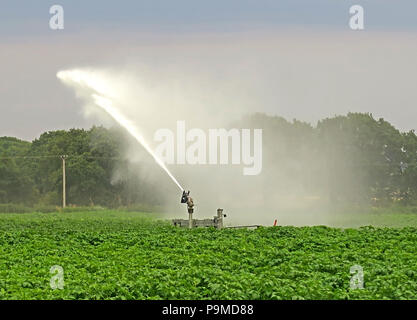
point(127, 255)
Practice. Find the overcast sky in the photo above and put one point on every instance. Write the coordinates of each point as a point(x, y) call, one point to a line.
point(294, 58)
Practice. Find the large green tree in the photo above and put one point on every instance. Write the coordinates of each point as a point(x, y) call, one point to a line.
point(352, 158)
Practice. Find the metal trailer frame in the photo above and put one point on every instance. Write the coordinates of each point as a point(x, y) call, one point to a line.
point(216, 222)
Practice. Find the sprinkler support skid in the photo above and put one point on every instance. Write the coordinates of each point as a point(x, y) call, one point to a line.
point(216, 222)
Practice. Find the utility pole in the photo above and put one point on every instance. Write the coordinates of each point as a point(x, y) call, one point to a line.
point(64, 200)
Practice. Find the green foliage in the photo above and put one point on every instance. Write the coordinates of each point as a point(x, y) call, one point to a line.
point(352, 159)
point(18, 208)
point(120, 255)
point(14, 208)
point(10, 146)
point(346, 159)
point(15, 185)
point(35, 178)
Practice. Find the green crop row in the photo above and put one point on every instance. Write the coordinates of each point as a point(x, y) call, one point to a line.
point(126, 255)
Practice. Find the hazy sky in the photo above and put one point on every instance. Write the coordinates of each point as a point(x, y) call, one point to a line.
point(294, 58)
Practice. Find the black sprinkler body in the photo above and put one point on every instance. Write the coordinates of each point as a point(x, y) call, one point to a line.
point(217, 222)
point(184, 197)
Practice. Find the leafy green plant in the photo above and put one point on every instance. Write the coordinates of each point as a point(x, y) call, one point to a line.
point(130, 255)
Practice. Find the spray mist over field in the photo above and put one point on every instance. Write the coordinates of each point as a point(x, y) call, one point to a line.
point(142, 103)
point(102, 98)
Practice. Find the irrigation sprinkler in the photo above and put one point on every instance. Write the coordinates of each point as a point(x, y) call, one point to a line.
point(216, 222)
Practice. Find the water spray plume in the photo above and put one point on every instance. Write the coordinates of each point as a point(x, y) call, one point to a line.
point(101, 94)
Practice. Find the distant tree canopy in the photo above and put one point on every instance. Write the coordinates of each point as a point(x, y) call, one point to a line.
point(33, 173)
point(352, 158)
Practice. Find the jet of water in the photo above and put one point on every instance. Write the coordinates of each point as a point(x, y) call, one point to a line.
point(100, 93)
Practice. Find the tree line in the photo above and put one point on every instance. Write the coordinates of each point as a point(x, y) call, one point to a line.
point(351, 158)
point(31, 172)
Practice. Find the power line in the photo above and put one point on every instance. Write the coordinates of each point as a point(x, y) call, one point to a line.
point(59, 156)
point(27, 157)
